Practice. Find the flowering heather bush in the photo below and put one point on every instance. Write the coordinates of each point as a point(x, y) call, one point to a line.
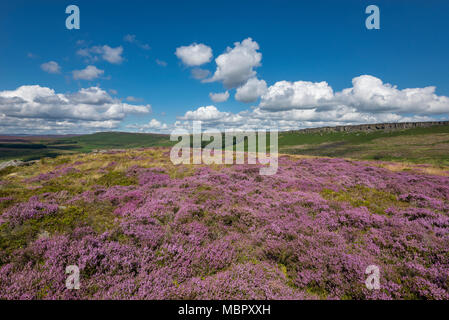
point(32, 209)
point(53, 174)
point(140, 228)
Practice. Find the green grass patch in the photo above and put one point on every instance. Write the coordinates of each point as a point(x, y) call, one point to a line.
point(99, 216)
point(296, 138)
point(376, 201)
point(116, 178)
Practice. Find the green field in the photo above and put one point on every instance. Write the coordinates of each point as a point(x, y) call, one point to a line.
point(418, 145)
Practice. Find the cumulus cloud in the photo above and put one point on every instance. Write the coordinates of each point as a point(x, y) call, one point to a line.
point(203, 113)
point(131, 38)
point(251, 90)
point(161, 63)
point(107, 53)
point(133, 99)
point(292, 119)
point(194, 54)
point(198, 73)
point(12, 125)
point(88, 73)
point(112, 55)
point(156, 124)
point(152, 126)
point(236, 65)
point(84, 52)
point(368, 94)
point(219, 97)
point(47, 110)
point(284, 95)
point(212, 117)
point(51, 67)
point(340, 114)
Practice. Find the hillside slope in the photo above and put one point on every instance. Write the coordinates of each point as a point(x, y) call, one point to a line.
point(418, 145)
point(30, 148)
point(425, 144)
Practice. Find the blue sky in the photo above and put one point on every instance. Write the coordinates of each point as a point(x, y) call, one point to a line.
point(291, 48)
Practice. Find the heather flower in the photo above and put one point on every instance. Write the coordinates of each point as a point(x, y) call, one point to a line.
point(52, 174)
point(228, 233)
point(33, 209)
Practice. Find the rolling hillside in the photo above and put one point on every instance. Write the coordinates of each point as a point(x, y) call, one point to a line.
point(30, 148)
point(417, 145)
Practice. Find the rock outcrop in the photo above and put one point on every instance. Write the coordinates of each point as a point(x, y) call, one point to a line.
point(11, 163)
point(375, 127)
point(15, 163)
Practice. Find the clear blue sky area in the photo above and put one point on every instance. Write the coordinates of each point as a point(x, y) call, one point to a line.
point(311, 41)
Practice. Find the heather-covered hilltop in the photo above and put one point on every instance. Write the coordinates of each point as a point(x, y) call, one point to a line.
point(140, 228)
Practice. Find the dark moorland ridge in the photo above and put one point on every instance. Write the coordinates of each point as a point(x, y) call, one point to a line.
point(374, 127)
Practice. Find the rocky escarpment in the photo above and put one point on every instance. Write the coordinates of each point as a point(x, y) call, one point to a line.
point(16, 163)
point(374, 127)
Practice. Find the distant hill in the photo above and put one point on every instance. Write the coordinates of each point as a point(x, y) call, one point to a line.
point(421, 142)
point(107, 140)
point(418, 142)
point(36, 147)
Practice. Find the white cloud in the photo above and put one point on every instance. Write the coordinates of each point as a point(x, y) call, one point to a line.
point(198, 73)
point(107, 53)
point(112, 55)
point(131, 38)
point(152, 126)
point(251, 90)
point(85, 52)
point(194, 54)
point(284, 95)
point(292, 119)
point(219, 97)
point(51, 67)
point(155, 124)
point(12, 125)
point(211, 115)
point(368, 94)
point(204, 113)
point(236, 65)
point(161, 63)
point(89, 73)
point(133, 99)
point(42, 109)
